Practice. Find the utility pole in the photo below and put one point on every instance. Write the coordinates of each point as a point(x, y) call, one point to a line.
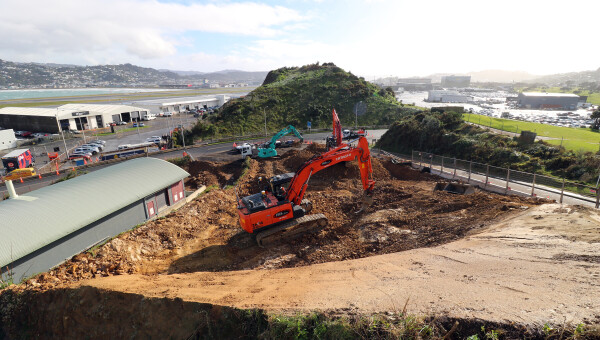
point(182, 130)
point(265, 114)
point(62, 133)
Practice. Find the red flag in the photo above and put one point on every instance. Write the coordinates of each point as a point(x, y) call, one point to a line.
point(337, 129)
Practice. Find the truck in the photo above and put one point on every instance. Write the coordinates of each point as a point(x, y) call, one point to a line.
point(18, 159)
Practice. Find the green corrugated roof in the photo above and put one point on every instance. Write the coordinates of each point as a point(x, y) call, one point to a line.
point(47, 214)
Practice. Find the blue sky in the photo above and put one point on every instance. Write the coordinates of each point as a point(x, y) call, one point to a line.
point(368, 37)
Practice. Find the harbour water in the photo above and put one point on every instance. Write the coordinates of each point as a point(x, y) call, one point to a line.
point(51, 93)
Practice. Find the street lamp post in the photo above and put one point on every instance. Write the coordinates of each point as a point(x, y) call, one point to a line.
point(61, 132)
point(182, 130)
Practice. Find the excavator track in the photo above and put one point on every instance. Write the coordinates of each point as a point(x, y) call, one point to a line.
point(291, 229)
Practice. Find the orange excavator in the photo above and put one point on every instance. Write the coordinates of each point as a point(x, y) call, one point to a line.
point(280, 210)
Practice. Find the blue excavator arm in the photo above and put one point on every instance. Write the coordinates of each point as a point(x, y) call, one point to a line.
point(270, 150)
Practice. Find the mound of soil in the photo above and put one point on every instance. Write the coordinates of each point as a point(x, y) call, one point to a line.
point(205, 234)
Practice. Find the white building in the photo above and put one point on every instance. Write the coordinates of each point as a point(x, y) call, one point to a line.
point(447, 96)
point(69, 116)
point(177, 105)
point(7, 139)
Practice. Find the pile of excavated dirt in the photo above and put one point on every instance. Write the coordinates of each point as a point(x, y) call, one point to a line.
point(205, 234)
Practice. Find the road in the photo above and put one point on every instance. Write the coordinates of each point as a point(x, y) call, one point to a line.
point(221, 151)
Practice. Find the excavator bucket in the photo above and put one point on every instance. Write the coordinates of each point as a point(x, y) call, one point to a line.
point(455, 188)
point(366, 202)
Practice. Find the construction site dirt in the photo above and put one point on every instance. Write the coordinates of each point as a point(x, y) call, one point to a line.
point(199, 253)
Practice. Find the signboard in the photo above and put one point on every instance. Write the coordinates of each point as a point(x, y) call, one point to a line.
point(308, 125)
point(81, 113)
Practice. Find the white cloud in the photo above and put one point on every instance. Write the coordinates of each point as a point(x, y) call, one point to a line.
point(143, 29)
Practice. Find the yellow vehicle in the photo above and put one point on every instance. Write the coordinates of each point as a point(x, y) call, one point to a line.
point(20, 173)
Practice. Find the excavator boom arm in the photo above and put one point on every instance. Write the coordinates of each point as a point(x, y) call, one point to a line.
point(283, 132)
point(343, 153)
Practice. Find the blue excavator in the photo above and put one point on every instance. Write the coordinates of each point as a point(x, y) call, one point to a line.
point(268, 150)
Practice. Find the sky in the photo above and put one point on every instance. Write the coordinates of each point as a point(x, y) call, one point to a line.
point(370, 38)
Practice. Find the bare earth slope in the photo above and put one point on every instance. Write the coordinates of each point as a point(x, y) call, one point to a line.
point(535, 266)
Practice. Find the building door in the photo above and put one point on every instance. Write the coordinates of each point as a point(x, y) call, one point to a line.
point(177, 192)
point(150, 207)
point(161, 200)
point(99, 122)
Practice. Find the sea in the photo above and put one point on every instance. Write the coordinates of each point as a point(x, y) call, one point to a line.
point(51, 93)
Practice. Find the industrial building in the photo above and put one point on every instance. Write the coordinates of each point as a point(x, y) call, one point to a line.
point(557, 101)
point(7, 139)
point(456, 81)
point(69, 116)
point(447, 96)
point(177, 105)
point(45, 227)
point(414, 84)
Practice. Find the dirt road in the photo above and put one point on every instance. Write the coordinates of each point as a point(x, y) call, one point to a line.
point(535, 266)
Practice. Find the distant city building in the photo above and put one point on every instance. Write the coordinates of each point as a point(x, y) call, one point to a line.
point(534, 100)
point(414, 84)
point(447, 96)
point(456, 81)
point(7, 139)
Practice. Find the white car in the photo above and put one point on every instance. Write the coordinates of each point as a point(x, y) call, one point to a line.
point(239, 147)
point(94, 145)
point(87, 148)
point(167, 114)
point(155, 140)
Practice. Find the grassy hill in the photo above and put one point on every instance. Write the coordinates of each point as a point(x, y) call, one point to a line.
point(297, 95)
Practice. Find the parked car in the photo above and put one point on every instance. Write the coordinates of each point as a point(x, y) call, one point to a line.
point(91, 149)
point(94, 145)
point(140, 124)
point(121, 123)
point(154, 140)
point(98, 141)
point(76, 155)
point(167, 114)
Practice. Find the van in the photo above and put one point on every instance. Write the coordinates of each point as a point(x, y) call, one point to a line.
point(20, 173)
point(148, 117)
point(124, 146)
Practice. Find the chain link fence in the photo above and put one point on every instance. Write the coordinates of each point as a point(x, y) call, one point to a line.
point(508, 181)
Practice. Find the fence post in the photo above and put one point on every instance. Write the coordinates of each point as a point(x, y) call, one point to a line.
point(442, 168)
point(454, 175)
point(487, 173)
point(470, 165)
point(507, 181)
point(421, 161)
point(597, 197)
point(412, 156)
point(430, 162)
point(533, 186)
point(562, 191)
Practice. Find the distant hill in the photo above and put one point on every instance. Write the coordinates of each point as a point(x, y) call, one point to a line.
point(13, 74)
point(297, 95)
point(574, 78)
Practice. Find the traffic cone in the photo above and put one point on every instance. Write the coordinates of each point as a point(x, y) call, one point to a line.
point(21, 178)
point(57, 173)
point(40, 176)
point(84, 162)
point(73, 168)
point(184, 154)
point(97, 160)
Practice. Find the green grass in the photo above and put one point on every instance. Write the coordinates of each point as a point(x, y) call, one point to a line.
point(576, 139)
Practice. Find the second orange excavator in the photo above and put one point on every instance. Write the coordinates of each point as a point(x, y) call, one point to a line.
point(280, 210)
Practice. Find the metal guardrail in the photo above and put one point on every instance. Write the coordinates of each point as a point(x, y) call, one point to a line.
point(536, 184)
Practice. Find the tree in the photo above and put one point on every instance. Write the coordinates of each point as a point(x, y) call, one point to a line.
point(596, 118)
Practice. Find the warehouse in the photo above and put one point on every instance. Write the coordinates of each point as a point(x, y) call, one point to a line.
point(48, 226)
point(177, 105)
point(456, 81)
point(557, 101)
point(447, 96)
point(70, 116)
